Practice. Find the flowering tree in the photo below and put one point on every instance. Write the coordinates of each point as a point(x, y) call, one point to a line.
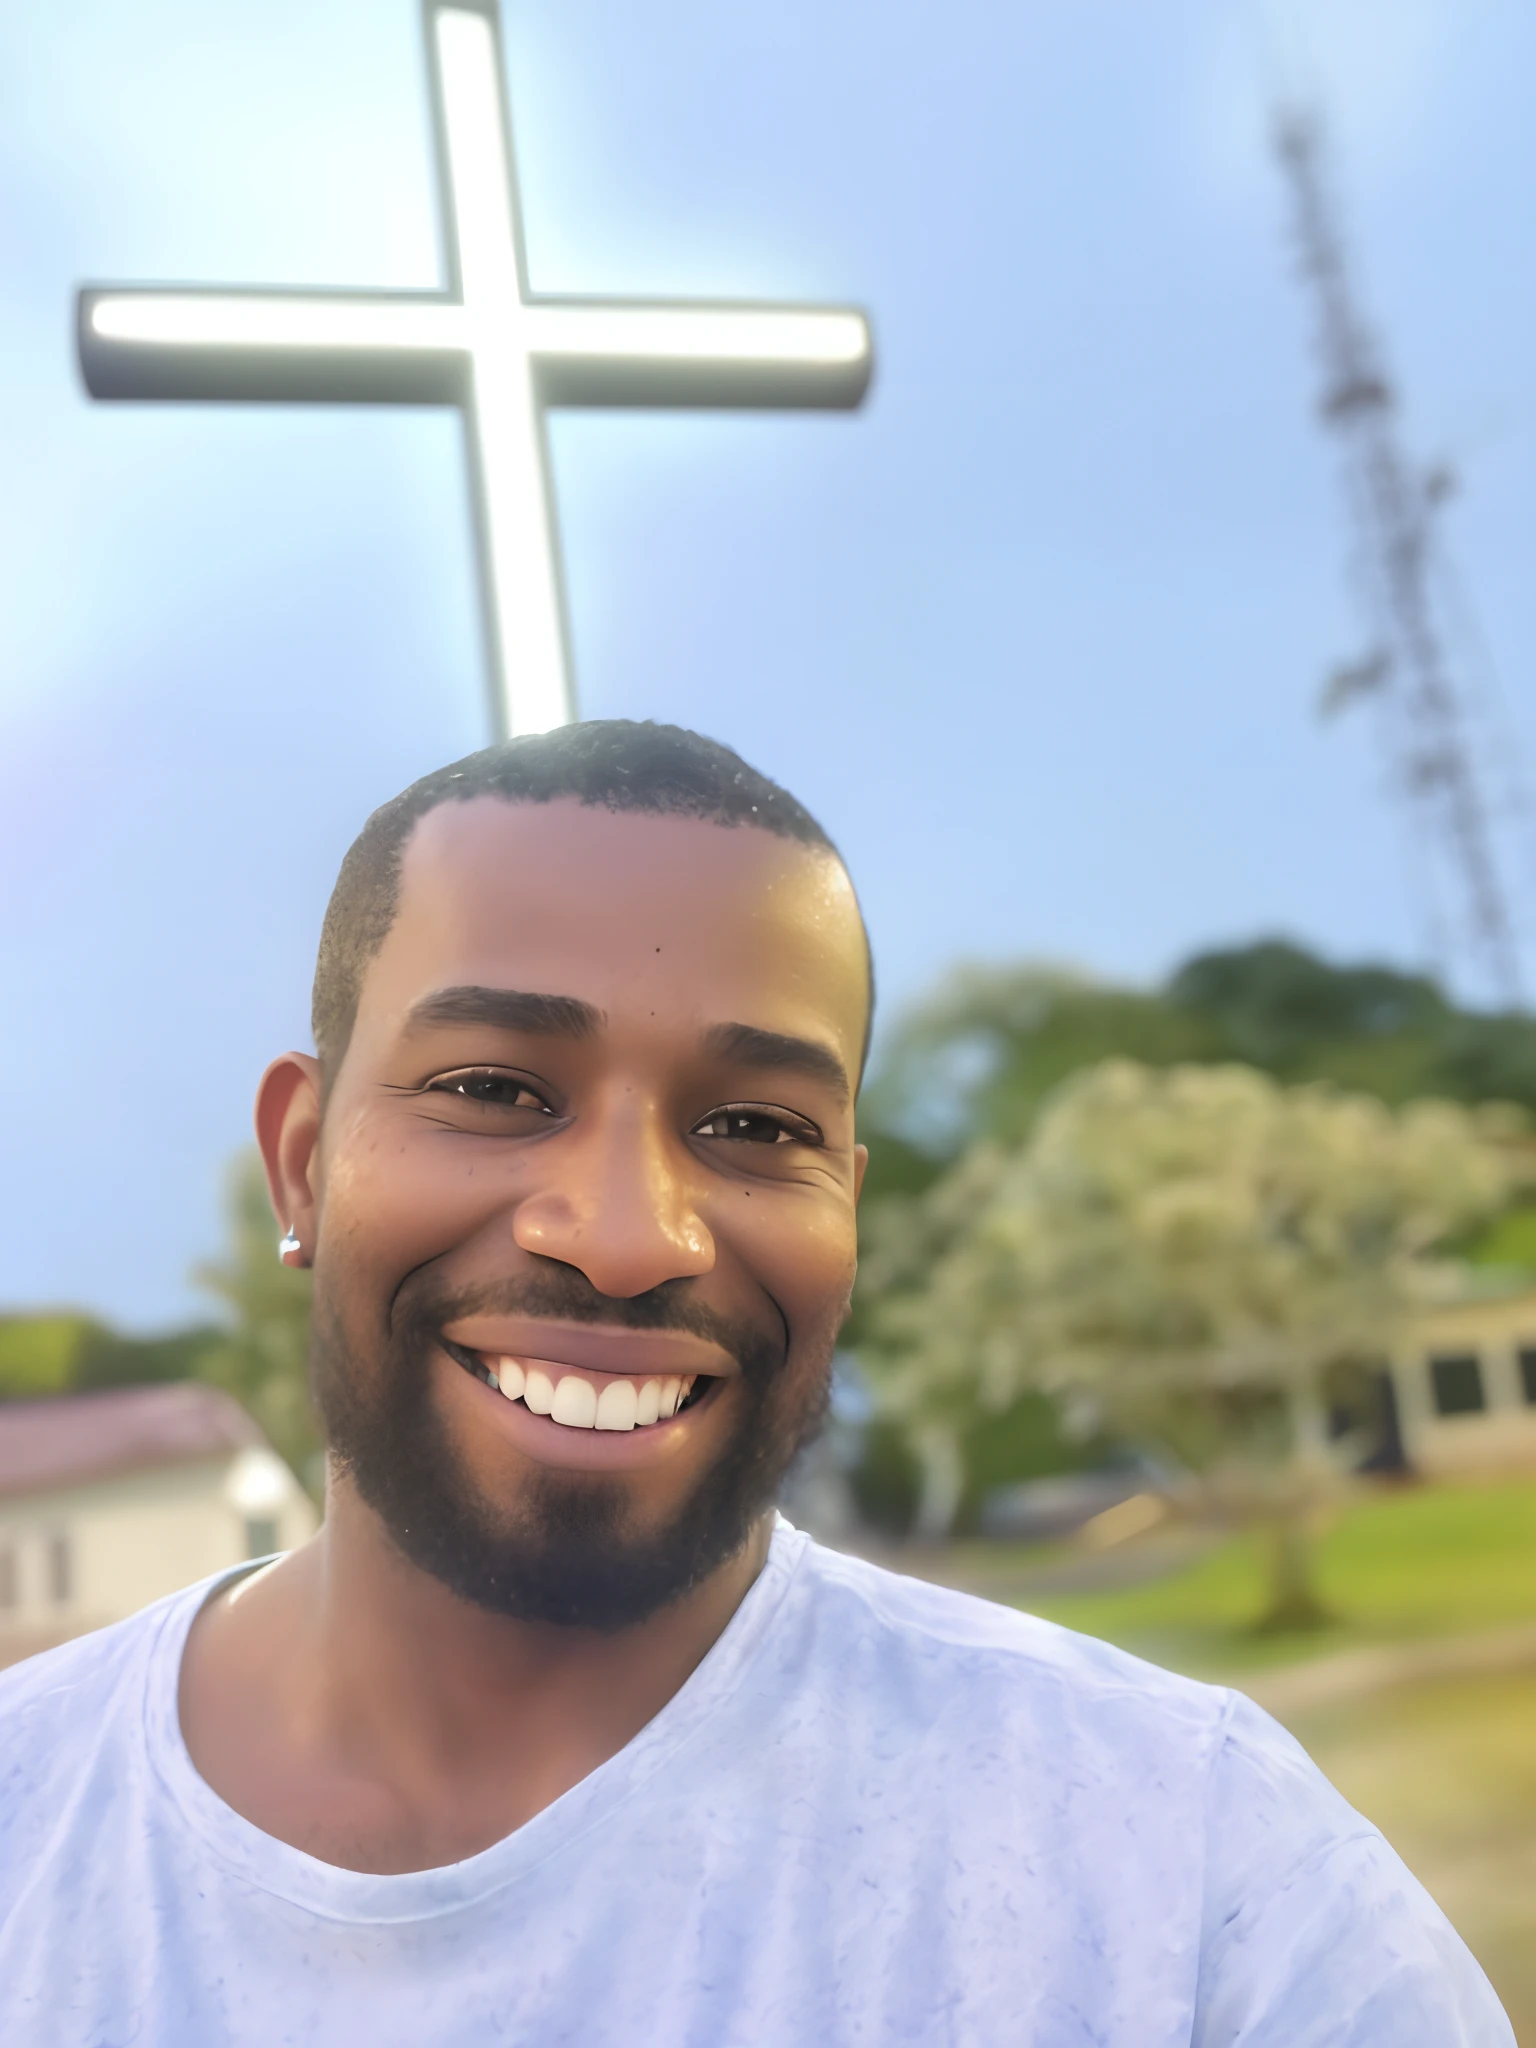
point(1195, 1244)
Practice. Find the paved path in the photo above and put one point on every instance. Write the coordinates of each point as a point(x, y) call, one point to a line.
point(999, 1572)
point(1349, 1674)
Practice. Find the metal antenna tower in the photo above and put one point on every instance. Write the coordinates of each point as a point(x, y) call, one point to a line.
point(1425, 706)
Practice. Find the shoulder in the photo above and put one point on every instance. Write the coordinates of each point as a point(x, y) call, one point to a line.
point(1315, 1934)
point(1304, 1929)
point(76, 1672)
point(923, 1645)
point(65, 1706)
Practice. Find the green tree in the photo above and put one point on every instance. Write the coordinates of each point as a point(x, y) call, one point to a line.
point(1186, 1253)
point(979, 1057)
point(262, 1358)
point(38, 1354)
point(71, 1353)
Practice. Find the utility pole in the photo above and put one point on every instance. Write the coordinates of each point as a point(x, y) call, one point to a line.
point(1423, 697)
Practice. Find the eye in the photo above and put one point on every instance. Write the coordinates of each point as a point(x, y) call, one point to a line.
point(752, 1123)
point(493, 1086)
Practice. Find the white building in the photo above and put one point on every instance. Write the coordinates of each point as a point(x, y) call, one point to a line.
point(1464, 1382)
point(109, 1500)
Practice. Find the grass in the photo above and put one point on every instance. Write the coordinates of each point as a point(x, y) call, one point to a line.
point(1400, 1564)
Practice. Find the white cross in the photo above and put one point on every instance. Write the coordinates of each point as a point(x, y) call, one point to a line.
point(486, 345)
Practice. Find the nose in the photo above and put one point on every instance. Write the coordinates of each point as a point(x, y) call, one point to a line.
point(617, 1200)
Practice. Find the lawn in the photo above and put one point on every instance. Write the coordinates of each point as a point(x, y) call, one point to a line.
point(1399, 1564)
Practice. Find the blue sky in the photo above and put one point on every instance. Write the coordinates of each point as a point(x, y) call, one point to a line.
point(1038, 633)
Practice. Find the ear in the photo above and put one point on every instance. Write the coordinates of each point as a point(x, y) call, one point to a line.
point(288, 1132)
point(860, 1162)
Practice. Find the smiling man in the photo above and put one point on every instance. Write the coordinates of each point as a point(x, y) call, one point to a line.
point(553, 1734)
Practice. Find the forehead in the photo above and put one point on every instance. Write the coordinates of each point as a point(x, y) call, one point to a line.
point(678, 917)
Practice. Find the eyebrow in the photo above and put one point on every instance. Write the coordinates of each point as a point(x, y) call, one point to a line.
point(507, 1009)
point(512, 1009)
point(778, 1050)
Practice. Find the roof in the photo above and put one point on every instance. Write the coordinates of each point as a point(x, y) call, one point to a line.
point(1489, 1311)
point(77, 1437)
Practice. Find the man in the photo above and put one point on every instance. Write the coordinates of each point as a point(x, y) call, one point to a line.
point(553, 1734)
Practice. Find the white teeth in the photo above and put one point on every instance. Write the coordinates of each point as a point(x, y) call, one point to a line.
point(617, 1405)
point(575, 1402)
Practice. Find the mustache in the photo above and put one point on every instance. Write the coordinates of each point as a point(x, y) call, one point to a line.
point(564, 1294)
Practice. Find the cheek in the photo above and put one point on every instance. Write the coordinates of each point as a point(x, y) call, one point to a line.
point(802, 1252)
point(393, 1201)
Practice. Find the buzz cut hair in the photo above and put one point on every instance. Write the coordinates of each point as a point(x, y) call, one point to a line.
point(613, 764)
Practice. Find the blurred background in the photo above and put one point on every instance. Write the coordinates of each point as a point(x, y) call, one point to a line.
point(1199, 1297)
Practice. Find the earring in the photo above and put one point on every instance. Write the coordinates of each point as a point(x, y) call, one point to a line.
point(289, 1250)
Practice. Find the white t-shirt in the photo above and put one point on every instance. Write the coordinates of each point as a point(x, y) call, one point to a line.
point(877, 1813)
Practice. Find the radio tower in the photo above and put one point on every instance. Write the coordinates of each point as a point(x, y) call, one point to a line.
point(1424, 701)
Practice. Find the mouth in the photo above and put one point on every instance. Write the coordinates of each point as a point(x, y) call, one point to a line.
point(581, 1398)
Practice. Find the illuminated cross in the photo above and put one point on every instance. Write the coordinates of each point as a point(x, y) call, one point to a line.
point(486, 345)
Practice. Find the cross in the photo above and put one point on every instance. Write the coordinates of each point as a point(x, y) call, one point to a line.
point(486, 345)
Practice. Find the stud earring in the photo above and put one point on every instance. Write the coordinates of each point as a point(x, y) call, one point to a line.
point(289, 1250)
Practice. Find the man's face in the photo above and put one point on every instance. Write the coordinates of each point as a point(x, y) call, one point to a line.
point(592, 1139)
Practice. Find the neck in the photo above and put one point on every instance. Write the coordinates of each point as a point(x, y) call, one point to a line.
point(395, 1643)
point(348, 1698)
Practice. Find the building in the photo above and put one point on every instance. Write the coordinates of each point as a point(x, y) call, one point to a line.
point(109, 1500)
point(1463, 1383)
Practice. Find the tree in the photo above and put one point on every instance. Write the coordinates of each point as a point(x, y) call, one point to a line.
point(1186, 1252)
point(38, 1354)
point(263, 1358)
point(67, 1352)
point(981, 1055)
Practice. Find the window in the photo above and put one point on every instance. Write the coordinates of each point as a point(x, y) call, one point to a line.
point(61, 1569)
point(1458, 1384)
point(10, 1577)
point(260, 1535)
point(1528, 1372)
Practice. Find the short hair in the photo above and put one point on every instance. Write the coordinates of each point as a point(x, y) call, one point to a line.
point(614, 764)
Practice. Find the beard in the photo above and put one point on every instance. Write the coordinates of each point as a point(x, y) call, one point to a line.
point(566, 1549)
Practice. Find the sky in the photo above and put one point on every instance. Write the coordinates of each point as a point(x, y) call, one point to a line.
point(1038, 633)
